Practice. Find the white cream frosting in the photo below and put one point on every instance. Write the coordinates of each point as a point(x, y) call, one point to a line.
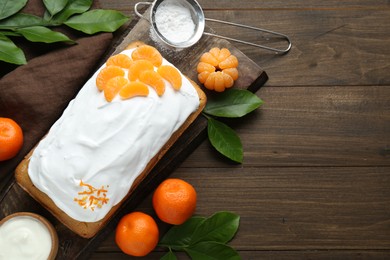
point(106, 144)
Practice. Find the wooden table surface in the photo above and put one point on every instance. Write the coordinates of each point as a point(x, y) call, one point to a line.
point(315, 181)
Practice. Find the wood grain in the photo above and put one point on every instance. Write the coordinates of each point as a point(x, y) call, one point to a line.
point(312, 126)
point(127, 6)
point(251, 77)
point(279, 4)
point(330, 47)
point(294, 208)
point(315, 178)
point(271, 255)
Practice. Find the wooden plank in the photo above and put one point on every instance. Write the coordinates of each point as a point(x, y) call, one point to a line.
point(71, 246)
point(311, 126)
point(264, 255)
point(251, 77)
point(329, 209)
point(294, 208)
point(330, 47)
point(260, 4)
point(280, 4)
point(342, 43)
point(335, 46)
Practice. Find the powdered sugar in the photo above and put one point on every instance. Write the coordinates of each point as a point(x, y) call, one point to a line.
point(174, 21)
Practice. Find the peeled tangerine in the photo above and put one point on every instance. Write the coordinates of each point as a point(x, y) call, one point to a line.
point(217, 69)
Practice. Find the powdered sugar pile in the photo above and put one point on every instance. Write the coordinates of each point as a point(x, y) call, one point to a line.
point(174, 21)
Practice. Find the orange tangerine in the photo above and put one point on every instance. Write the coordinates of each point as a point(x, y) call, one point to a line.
point(203, 66)
point(209, 58)
point(106, 74)
point(113, 86)
point(11, 138)
point(233, 72)
point(215, 52)
point(137, 67)
point(147, 52)
point(174, 201)
point(153, 79)
point(220, 54)
point(133, 89)
point(120, 60)
point(229, 62)
point(171, 74)
point(137, 234)
point(202, 77)
point(218, 81)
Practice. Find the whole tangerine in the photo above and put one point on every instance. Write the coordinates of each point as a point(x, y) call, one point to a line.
point(11, 138)
point(174, 201)
point(137, 234)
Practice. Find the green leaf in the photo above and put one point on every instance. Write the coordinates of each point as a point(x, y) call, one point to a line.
point(9, 33)
point(98, 20)
point(225, 140)
point(42, 34)
point(73, 7)
point(169, 256)
point(232, 103)
point(55, 6)
point(178, 236)
point(220, 227)
point(211, 251)
point(11, 53)
point(10, 7)
point(21, 20)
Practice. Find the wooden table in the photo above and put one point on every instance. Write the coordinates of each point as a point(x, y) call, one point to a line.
point(315, 181)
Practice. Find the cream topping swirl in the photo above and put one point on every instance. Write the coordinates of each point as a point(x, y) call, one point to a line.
point(24, 237)
point(106, 144)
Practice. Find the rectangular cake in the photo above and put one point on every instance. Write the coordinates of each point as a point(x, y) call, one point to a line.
point(109, 138)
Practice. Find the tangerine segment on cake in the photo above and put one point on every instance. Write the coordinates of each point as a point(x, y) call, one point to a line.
point(133, 89)
point(137, 67)
point(147, 52)
point(106, 74)
point(171, 74)
point(120, 60)
point(107, 141)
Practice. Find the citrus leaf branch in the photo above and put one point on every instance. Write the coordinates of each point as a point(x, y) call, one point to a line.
point(55, 6)
point(72, 13)
point(10, 7)
point(224, 140)
point(95, 21)
point(43, 34)
point(233, 103)
point(9, 52)
point(203, 238)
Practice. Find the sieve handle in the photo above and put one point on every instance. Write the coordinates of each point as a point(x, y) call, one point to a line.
point(251, 43)
point(136, 9)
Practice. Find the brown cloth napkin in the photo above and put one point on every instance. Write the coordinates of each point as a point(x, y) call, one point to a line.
point(34, 95)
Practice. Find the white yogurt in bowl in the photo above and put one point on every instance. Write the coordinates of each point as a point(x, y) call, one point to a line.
point(27, 235)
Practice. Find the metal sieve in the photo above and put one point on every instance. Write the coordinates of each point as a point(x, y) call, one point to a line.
point(199, 20)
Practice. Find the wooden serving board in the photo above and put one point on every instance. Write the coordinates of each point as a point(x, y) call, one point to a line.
point(252, 77)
